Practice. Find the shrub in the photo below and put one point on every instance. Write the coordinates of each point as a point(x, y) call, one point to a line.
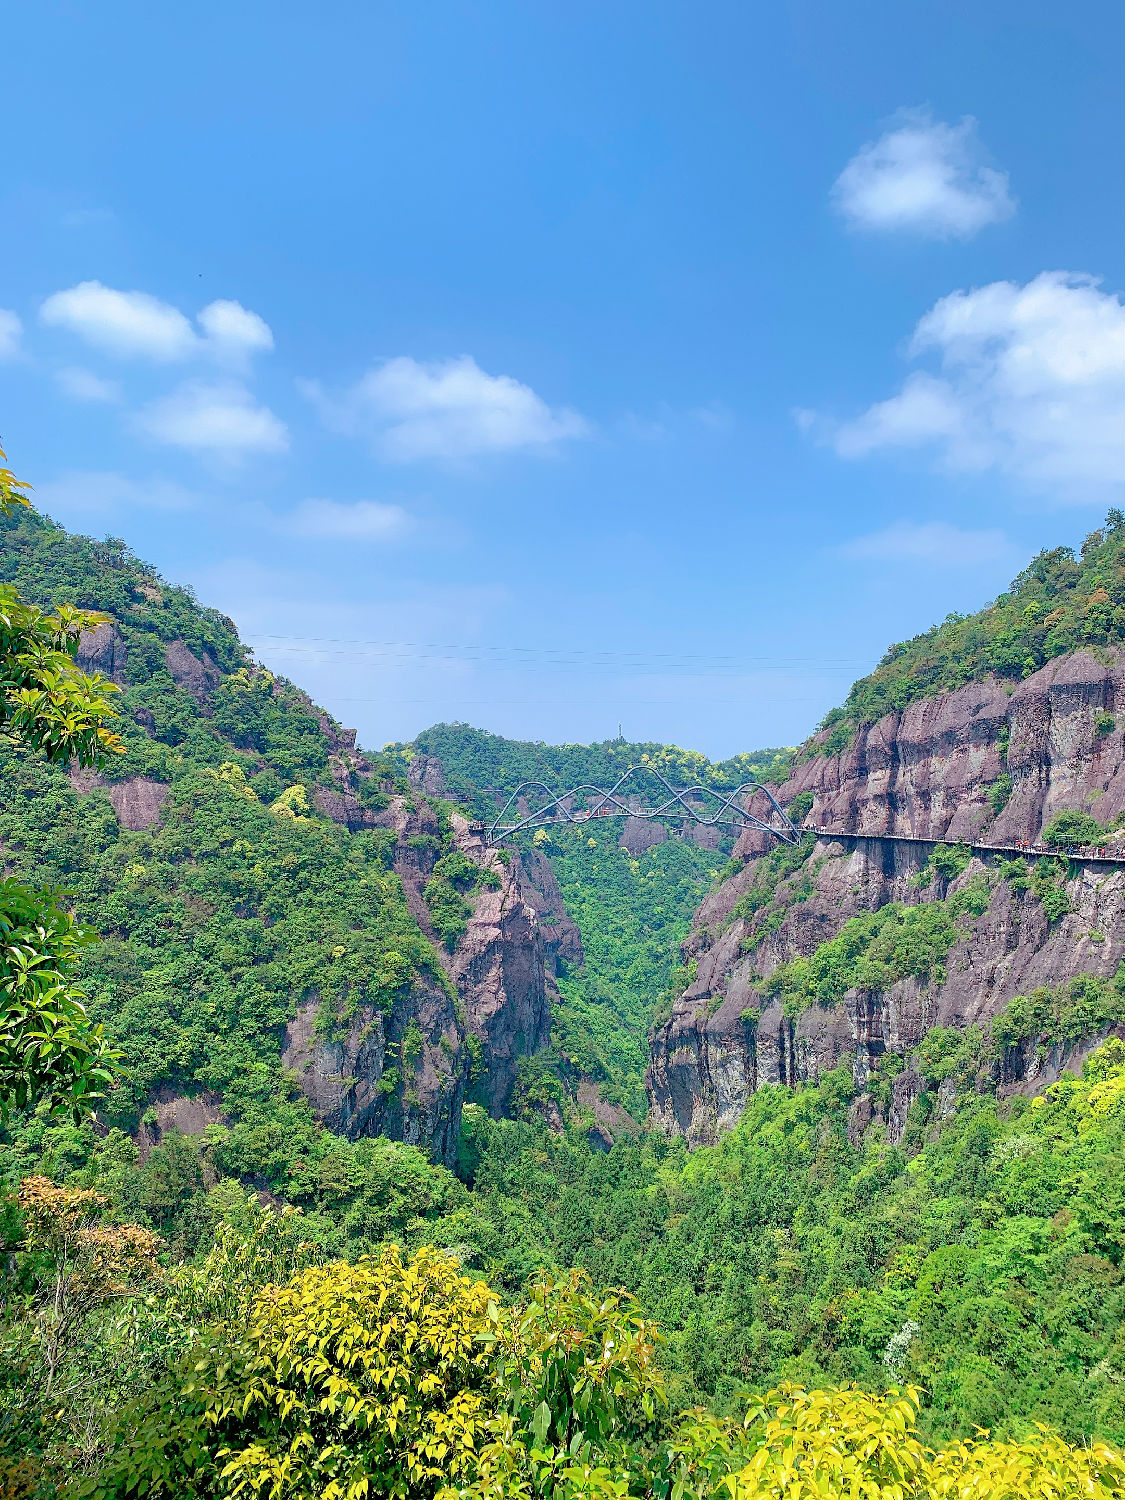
point(950, 860)
point(1000, 791)
point(800, 807)
point(350, 1380)
point(1073, 827)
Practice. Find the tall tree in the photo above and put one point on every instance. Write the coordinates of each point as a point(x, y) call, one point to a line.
point(49, 1049)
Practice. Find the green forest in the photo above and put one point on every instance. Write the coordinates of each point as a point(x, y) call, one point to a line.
point(1060, 602)
point(265, 1308)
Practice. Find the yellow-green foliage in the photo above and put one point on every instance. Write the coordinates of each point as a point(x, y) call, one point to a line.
point(293, 803)
point(797, 1444)
point(359, 1379)
point(406, 1379)
point(232, 776)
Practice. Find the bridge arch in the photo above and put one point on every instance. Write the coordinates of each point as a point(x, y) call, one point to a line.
point(705, 805)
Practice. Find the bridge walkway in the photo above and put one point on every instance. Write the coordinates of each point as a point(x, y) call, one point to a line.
point(1084, 854)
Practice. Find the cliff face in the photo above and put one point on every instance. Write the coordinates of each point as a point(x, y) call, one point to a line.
point(403, 1072)
point(926, 773)
point(494, 1009)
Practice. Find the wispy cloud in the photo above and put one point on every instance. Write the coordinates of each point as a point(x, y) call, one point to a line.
point(447, 409)
point(10, 330)
point(924, 176)
point(933, 542)
point(83, 494)
point(137, 325)
point(222, 419)
point(1031, 386)
point(83, 385)
point(360, 521)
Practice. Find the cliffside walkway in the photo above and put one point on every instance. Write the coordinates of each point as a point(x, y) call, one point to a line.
point(1082, 854)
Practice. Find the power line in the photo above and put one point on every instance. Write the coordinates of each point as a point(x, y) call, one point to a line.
point(564, 657)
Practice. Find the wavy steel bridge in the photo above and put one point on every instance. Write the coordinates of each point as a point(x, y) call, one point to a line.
point(695, 804)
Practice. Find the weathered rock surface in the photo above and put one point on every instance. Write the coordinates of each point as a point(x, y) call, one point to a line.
point(541, 891)
point(198, 676)
point(925, 773)
point(350, 1083)
point(102, 650)
point(138, 801)
point(640, 834)
point(502, 978)
point(427, 774)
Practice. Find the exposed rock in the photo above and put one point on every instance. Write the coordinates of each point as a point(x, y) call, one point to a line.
point(343, 807)
point(345, 1078)
point(427, 774)
point(640, 834)
point(189, 1114)
point(925, 773)
point(138, 802)
point(612, 1120)
point(196, 676)
point(501, 972)
point(102, 650)
point(540, 890)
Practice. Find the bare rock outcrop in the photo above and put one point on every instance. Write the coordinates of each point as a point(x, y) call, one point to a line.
point(502, 974)
point(198, 676)
point(540, 890)
point(495, 1009)
point(138, 801)
point(427, 774)
point(927, 773)
point(641, 834)
point(354, 1081)
point(102, 650)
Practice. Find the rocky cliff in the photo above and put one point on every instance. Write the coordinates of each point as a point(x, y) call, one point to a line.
point(938, 770)
point(460, 1032)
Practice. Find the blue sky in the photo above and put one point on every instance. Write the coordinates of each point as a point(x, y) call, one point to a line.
point(561, 367)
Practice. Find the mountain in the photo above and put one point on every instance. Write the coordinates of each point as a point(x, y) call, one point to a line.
point(291, 936)
point(853, 949)
point(873, 1158)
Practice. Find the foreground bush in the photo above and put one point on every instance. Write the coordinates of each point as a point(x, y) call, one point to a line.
point(404, 1378)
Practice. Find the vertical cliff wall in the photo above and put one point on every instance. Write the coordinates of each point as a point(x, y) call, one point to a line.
point(935, 771)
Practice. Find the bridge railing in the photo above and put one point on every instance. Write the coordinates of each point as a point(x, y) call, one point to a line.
point(681, 804)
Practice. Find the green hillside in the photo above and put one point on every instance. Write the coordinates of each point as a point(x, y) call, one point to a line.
point(1059, 602)
point(478, 764)
point(236, 906)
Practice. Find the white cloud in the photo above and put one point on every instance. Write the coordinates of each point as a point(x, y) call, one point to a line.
point(80, 493)
point(230, 326)
point(933, 542)
point(447, 409)
point(10, 330)
point(924, 176)
point(82, 385)
point(125, 323)
point(363, 521)
point(137, 324)
point(222, 419)
point(1032, 385)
